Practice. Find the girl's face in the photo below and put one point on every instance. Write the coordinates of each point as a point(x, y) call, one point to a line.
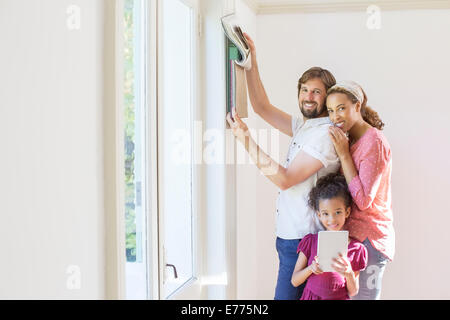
point(342, 112)
point(332, 213)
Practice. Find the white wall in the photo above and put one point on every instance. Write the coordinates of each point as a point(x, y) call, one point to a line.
point(404, 69)
point(51, 169)
point(246, 212)
point(218, 236)
point(53, 173)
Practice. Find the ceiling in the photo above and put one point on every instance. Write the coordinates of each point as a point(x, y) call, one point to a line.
point(290, 6)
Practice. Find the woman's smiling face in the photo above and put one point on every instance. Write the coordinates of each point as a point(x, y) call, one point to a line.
point(342, 112)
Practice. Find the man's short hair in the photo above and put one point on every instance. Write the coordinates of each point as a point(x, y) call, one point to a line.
point(317, 72)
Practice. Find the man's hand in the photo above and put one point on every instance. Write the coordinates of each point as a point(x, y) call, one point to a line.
point(250, 42)
point(238, 127)
point(252, 47)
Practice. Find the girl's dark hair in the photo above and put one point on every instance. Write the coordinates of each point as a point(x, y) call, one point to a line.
point(327, 187)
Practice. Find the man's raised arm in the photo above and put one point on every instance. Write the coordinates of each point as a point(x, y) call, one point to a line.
point(259, 99)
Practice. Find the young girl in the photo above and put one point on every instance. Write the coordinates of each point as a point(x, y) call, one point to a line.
point(331, 200)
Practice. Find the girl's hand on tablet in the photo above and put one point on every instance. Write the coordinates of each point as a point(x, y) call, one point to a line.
point(315, 267)
point(342, 266)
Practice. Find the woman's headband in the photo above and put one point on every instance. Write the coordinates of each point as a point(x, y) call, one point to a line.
point(351, 87)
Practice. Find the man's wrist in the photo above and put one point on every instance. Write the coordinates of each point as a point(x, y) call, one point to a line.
point(246, 141)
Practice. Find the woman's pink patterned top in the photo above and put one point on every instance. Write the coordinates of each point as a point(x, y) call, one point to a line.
point(371, 215)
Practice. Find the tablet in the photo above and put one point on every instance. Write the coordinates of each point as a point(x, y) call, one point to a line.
point(329, 245)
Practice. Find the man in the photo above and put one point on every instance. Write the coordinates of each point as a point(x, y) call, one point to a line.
point(311, 155)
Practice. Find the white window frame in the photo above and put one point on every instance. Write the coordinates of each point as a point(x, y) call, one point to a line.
point(192, 288)
point(153, 225)
point(208, 237)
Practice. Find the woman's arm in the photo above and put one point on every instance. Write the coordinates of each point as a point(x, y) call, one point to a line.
point(363, 184)
point(302, 271)
point(348, 167)
point(342, 148)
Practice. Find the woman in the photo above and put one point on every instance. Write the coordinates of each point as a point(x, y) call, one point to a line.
point(366, 163)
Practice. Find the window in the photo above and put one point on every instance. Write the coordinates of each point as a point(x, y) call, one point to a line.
point(160, 178)
point(176, 119)
point(135, 108)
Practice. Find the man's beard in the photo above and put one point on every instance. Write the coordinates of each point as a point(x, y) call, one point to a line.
point(311, 114)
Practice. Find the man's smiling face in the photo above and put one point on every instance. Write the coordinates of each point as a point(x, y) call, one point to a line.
point(311, 99)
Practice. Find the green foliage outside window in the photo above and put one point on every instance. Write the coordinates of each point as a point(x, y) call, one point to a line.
point(129, 103)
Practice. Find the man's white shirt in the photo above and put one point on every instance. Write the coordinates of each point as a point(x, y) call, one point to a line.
point(294, 217)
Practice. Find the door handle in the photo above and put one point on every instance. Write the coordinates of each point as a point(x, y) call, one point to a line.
point(174, 269)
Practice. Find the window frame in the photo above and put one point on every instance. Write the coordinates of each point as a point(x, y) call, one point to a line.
point(208, 235)
point(152, 139)
point(192, 288)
